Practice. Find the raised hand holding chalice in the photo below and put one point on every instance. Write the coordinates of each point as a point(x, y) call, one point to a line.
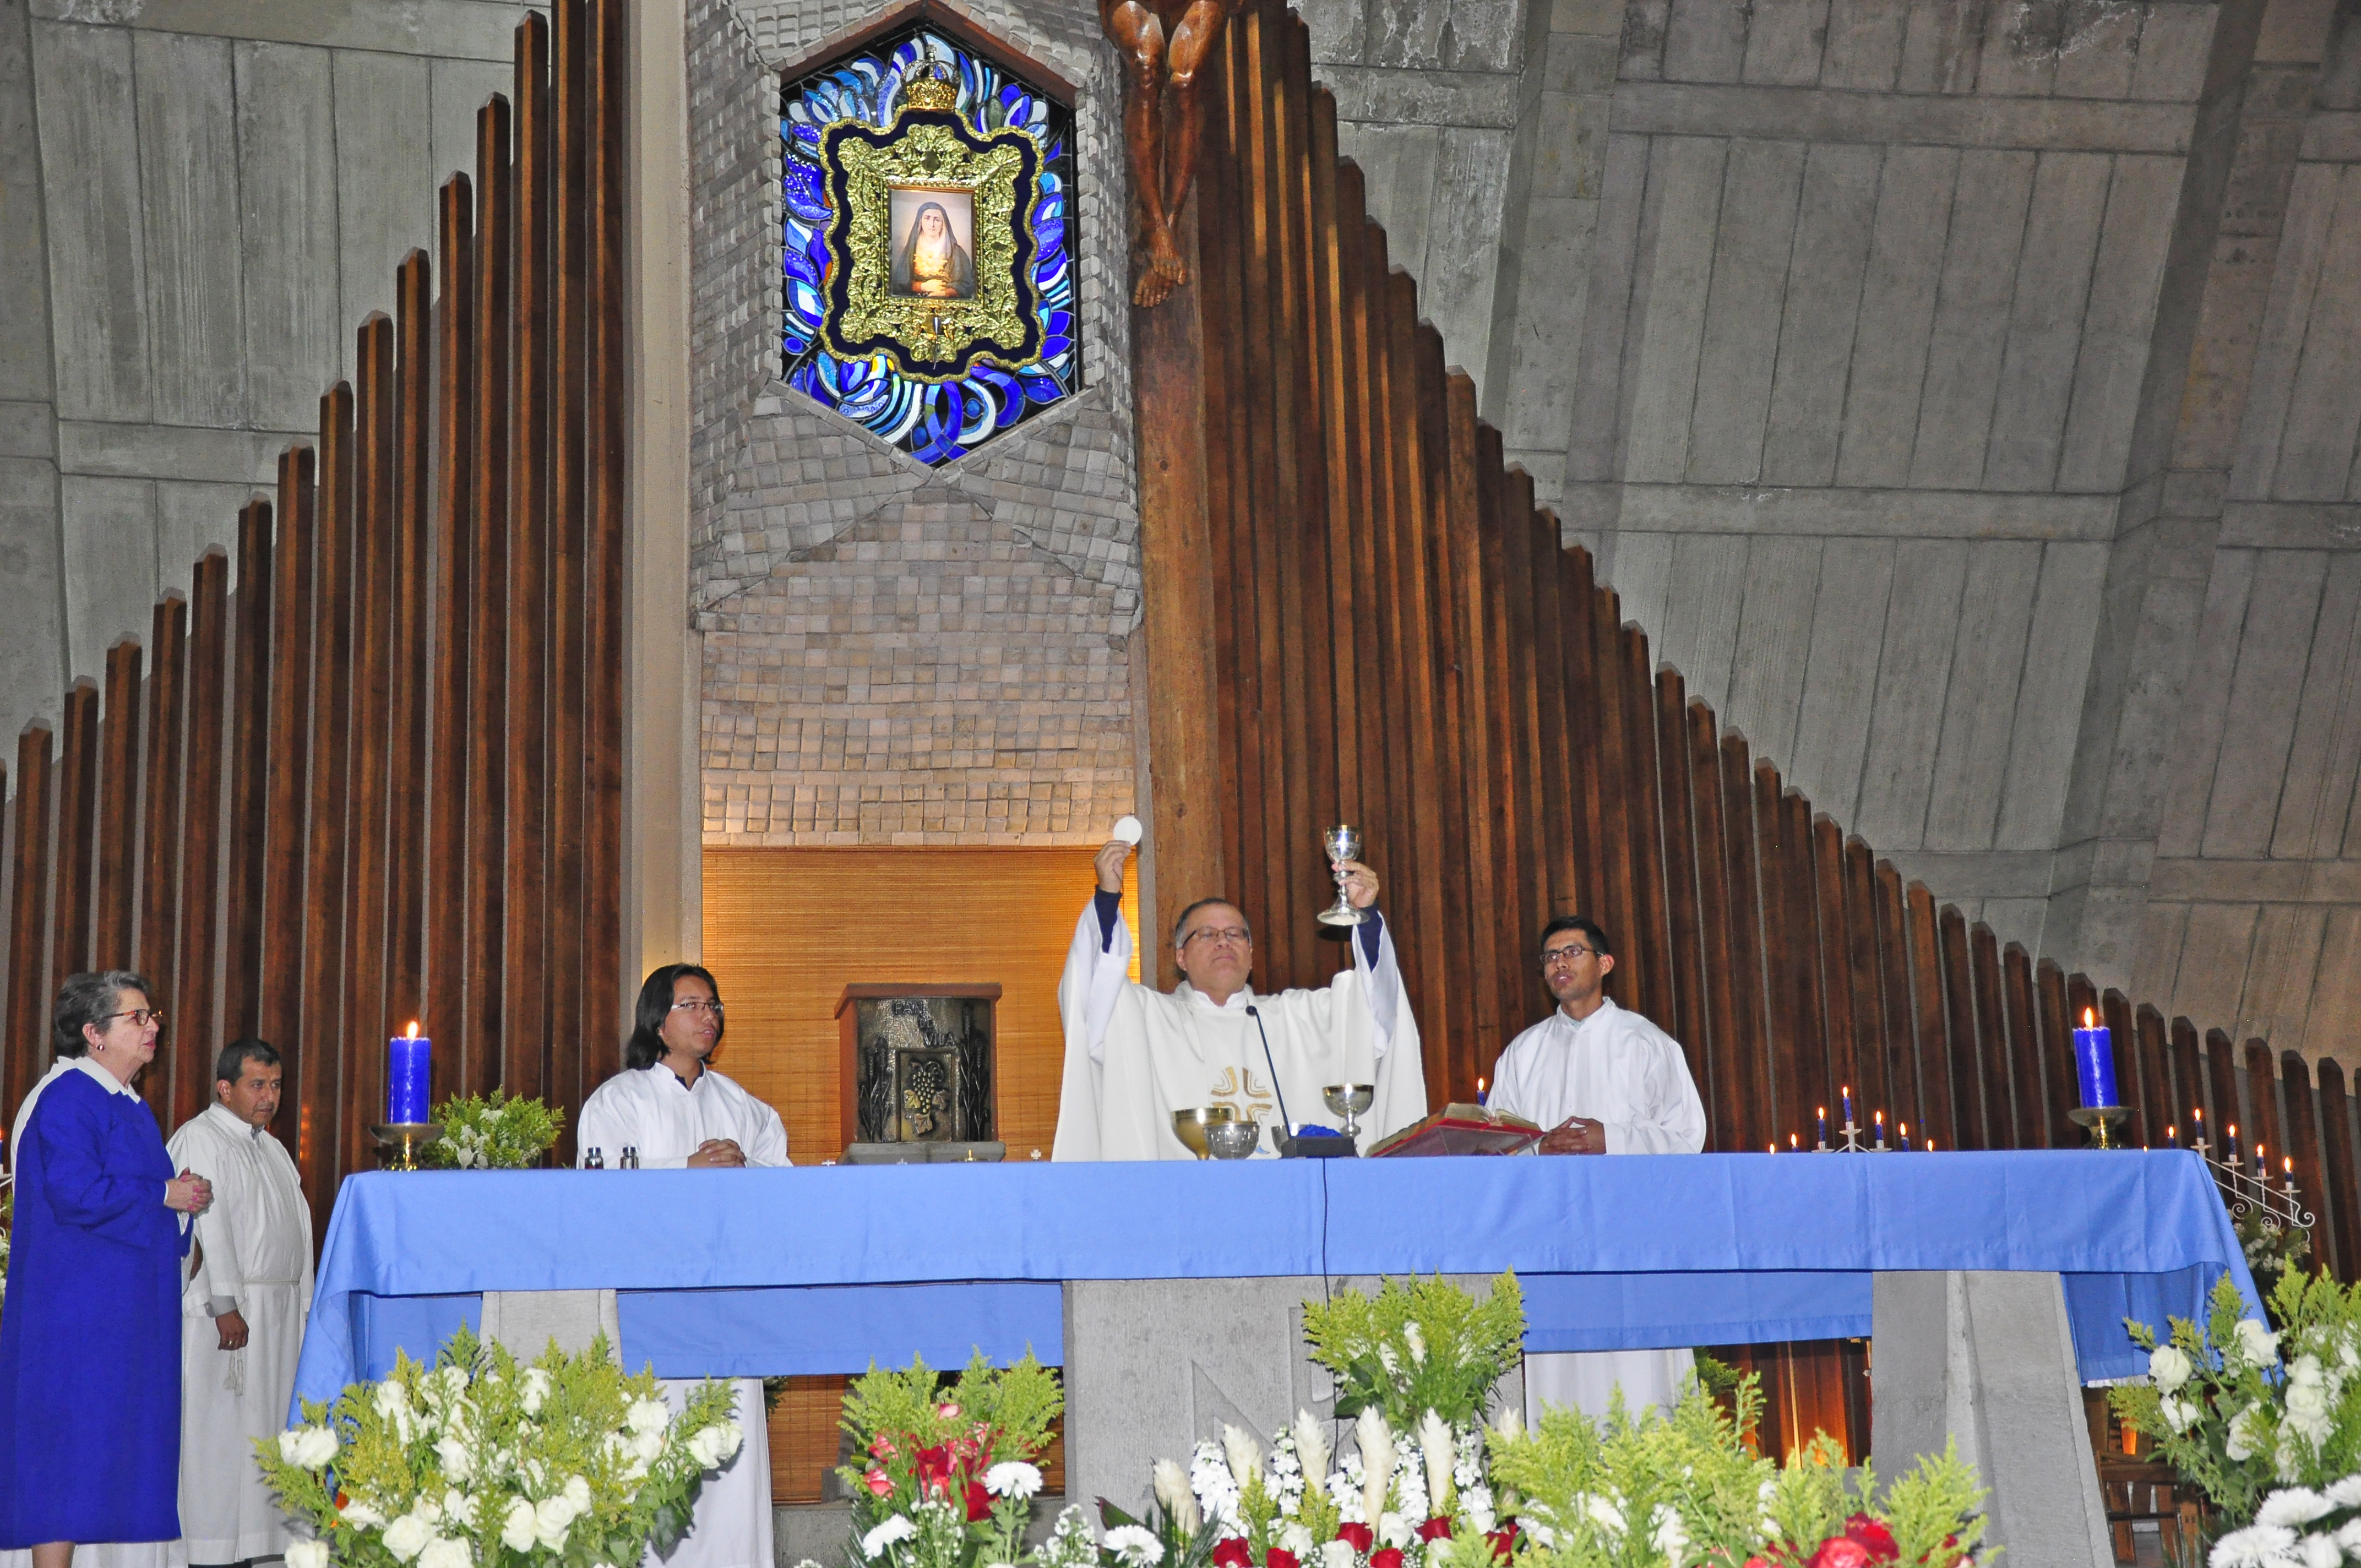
point(1356, 884)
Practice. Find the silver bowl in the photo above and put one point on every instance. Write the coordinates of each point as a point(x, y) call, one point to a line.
point(1232, 1140)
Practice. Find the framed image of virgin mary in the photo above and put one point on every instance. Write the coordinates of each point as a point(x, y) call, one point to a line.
point(934, 242)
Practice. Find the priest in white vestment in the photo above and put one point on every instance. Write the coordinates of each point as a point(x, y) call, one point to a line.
point(1135, 1056)
point(673, 1111)
point(1604, 1080)
point(243, 1310)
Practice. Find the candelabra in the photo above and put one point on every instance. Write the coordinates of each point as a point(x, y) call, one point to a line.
point(1853, 1139)
point(2250, 1192)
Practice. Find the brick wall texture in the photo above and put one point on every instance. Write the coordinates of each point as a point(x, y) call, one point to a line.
point(896, 655)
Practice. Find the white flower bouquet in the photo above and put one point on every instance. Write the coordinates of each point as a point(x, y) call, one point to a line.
point(493, 1132)
point(479, 1462)
point(2296, 1527)
point(2240, 1409)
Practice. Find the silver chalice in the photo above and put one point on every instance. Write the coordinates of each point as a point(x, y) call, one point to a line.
point(1348, 1101)
point(1343, 842)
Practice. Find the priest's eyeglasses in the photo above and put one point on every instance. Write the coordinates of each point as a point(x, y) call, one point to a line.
point(1217, 935)
point(697, 1003)
point(140, 1017)
point(1552, 956)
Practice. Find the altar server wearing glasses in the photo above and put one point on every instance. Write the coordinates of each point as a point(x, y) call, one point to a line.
point(90, 1344)
point(1604, 1080)
point(1134, 1055)
point(670, 1106)
point(242, 1314)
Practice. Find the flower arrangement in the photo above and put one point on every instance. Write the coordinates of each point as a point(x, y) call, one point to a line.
point(2239, 1408)
point(1683, 1490)
point(1428, 1486)
point(1417, 1345)
point(479, 1462)
point(2271, 1248)
point(946, 1477)
point(1677, 1491)
point(493, 1132)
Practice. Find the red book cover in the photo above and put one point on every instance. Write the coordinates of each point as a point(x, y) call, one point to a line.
point(1462, 1129)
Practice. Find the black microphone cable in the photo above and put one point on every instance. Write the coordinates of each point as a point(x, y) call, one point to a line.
point(1256, 1013)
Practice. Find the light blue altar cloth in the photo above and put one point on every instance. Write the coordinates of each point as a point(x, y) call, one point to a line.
point(823, 1269)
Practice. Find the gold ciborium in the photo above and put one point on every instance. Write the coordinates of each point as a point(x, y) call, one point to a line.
point(1189, 1126)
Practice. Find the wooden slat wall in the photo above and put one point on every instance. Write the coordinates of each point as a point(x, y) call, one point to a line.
point(382, 781)
point(1466, 692)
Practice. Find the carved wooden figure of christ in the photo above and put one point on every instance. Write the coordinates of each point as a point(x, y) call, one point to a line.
point(1164, 44)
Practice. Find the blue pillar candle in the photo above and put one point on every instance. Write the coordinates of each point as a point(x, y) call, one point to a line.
point(408, 1078)
point(2095, 1062)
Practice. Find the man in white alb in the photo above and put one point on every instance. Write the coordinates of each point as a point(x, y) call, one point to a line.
point(1604, 1080)
point(242, 1313)
point(1135, 1056)
point(673, 1111)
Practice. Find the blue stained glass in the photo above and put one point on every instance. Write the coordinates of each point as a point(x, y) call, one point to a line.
point(936, 421)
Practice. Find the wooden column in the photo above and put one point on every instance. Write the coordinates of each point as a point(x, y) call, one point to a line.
point(246, 836)
point(117, 783)
point(487, 605)
point(175, 1083)
point(28, 949)
point(195, 999)
point(1182, 859)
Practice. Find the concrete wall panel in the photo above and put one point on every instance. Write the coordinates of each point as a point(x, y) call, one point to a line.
point(110, 568)
point(188, 165)
point(289, 210)
point(2259, 725)
point(1849, 621)
point(384, 209)
point(2325, 756)
point(91, 193)
point(1981, 703)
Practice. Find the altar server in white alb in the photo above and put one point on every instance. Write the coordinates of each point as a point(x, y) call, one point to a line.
point(1135, 1056)
point(1604, 1080)
point(242, 1314)
point(674, 1110)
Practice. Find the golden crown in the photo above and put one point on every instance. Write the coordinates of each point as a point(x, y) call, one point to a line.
point(930, 92)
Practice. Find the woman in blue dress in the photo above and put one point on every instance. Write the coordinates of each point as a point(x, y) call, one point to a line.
point(90, 1342)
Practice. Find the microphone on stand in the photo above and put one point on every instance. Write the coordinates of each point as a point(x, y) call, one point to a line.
point(1326, 1146)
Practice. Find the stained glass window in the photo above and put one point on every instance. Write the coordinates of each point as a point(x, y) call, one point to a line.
point(938, 353)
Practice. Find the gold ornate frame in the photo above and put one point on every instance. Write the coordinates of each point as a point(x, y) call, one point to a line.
point(932, 340)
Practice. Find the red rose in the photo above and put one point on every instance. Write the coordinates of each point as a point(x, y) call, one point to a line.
point(1279, 1557)
point(979, 1502)
point(1391, 1557)
point(1233, 1551)
point(1504, 1541)
point(934, 1467)
point(1360, 1535)
point(1840, 1552)
point(882, 1448)
point(880, 1485)
point(1436, 1529)
point(1873, 1537)
point(1757, 1562)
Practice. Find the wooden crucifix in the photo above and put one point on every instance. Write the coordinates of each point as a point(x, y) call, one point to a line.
point(1165, 45)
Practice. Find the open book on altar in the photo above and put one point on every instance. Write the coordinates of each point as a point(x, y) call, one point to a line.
point(1462, 1129)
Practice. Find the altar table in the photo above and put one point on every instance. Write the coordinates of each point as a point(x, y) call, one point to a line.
point(824, 1269)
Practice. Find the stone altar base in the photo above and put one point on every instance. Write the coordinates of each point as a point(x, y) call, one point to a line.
point(1152, 1365)
point(1987, 1359)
